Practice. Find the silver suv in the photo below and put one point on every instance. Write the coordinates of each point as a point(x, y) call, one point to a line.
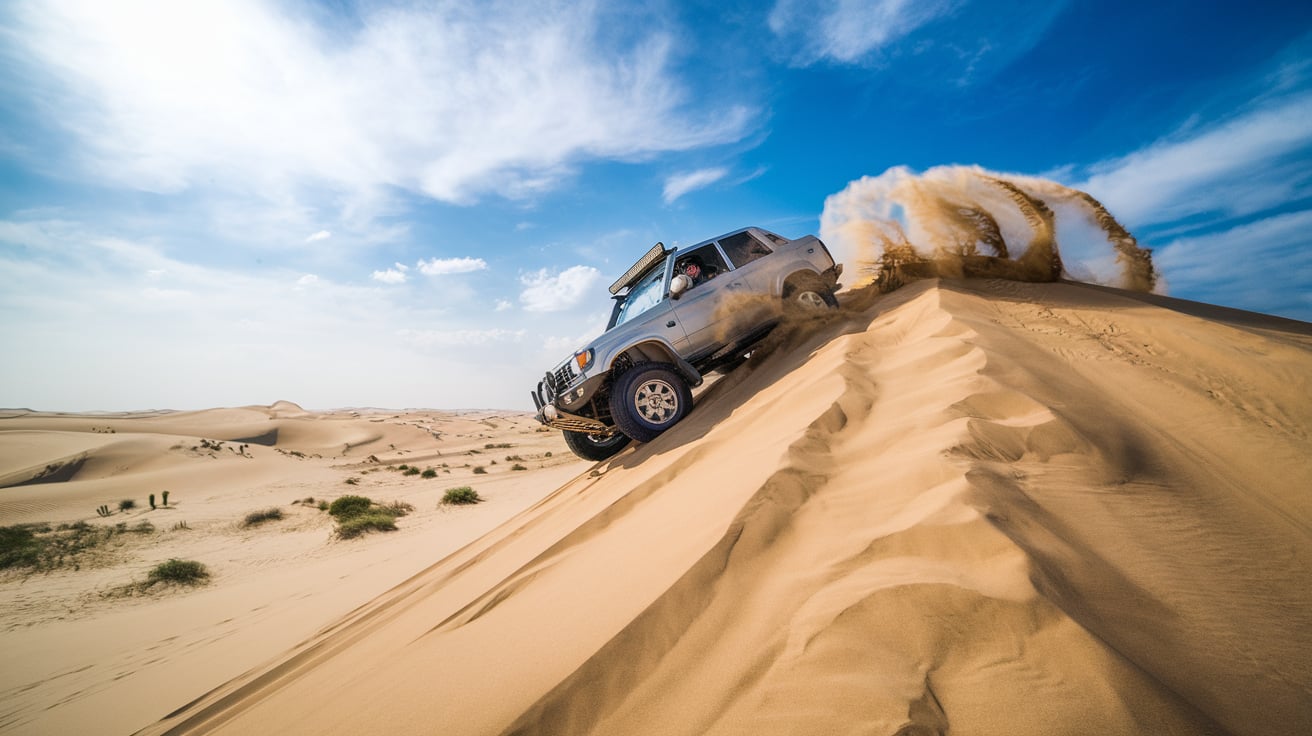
point(680, 313)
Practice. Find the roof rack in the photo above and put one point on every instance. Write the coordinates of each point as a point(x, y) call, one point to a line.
point(635, 271)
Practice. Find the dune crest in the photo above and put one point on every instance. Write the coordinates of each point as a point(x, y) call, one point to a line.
point(981, 507)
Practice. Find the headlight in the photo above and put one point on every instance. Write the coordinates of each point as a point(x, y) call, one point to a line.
point(583, 360)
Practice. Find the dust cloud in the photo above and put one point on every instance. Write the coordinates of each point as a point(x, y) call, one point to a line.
point(967, 221)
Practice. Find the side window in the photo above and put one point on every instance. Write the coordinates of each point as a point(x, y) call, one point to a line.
point(701, 265)
point(743, 249)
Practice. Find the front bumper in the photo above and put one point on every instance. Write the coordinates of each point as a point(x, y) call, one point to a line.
point(557, 404)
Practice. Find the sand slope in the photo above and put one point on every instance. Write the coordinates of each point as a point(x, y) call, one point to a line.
point(78, 662)
point(983, 508)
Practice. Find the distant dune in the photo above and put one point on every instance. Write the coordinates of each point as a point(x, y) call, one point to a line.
point(979, 507)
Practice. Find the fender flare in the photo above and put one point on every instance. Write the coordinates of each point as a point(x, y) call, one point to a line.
point(658, 351)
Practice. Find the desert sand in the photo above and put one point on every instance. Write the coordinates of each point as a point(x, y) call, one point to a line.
point(971, 507)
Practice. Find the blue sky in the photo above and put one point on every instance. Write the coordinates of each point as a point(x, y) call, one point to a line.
point(421, 204)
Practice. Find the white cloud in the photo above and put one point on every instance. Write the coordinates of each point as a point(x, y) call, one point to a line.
point(1263, 265)
point(847, 31)
point(308, 279)
point(73, 292)
point(321, 235)
point(504, 306)
point(546, 292)
point(446, 266)
point(452, 101)
point(680, 184)
point(1234, 168)
point(394, 275)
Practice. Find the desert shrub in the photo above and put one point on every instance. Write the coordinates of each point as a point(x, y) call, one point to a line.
point(366, 522)
point(403, 466)
point(480, 470)
point(181, 526)
point(513, 458)
point(348, 506)
point(429, 473)
point(126, 504)
point(356, 515)
point(461, 496)
point(18, 547)
point(548, 454)
point(143, 527)
point(517, 466)
point(411, 471)
point(180, 572)
point(272, 513)
point(352, 481)
point(497, 446)
point(396, 508)
point(323, 505)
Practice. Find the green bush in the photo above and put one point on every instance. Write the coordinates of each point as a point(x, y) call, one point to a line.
point(461, 496)
point(181, 572)
point(352, 481)
point(366, 522)
point(259, 517)
point(480, 470)
point(517, 466)
point(429, 473)
point(348, 506)
point(18, 547)
point(126, 504)
point(411, 471)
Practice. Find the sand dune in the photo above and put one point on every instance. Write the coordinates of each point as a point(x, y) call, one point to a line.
point(78, 662)
point(976, 507)
point(981, 507)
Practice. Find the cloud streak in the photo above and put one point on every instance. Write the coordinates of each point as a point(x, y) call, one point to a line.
point(680, 184)
point(454, 102)
point(1230, 169)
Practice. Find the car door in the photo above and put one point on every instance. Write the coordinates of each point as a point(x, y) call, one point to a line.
point(707, 309)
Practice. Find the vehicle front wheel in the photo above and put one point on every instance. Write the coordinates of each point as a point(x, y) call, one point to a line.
point(596, 446)
point(649, 399)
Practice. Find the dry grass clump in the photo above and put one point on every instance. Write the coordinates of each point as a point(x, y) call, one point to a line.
point(256, 518)
point(178, 572)
point(41, 547)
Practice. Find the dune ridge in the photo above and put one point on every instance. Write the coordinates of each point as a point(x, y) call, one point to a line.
point(973, 507)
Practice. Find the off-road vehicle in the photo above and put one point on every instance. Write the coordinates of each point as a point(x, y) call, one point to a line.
point(680, 313)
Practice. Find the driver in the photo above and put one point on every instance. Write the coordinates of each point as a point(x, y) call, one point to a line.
point(693, 270)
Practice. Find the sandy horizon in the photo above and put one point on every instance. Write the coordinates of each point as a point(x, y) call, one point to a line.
point(981, 506)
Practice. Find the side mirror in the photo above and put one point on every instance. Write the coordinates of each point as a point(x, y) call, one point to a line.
point(680, 284)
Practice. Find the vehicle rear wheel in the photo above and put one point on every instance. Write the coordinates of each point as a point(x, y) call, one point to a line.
point(649, 399)
point(809, 295)
point(596, 446)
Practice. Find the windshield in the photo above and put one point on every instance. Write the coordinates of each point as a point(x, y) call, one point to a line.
point(646, 294)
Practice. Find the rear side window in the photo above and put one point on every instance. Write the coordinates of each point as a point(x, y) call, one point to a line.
point(743, 248)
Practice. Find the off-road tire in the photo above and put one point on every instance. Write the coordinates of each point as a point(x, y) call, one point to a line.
point(649, 399)
point(809, 294)
point(595, 447)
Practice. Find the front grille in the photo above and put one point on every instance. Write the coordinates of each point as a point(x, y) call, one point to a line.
point(564, 375)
